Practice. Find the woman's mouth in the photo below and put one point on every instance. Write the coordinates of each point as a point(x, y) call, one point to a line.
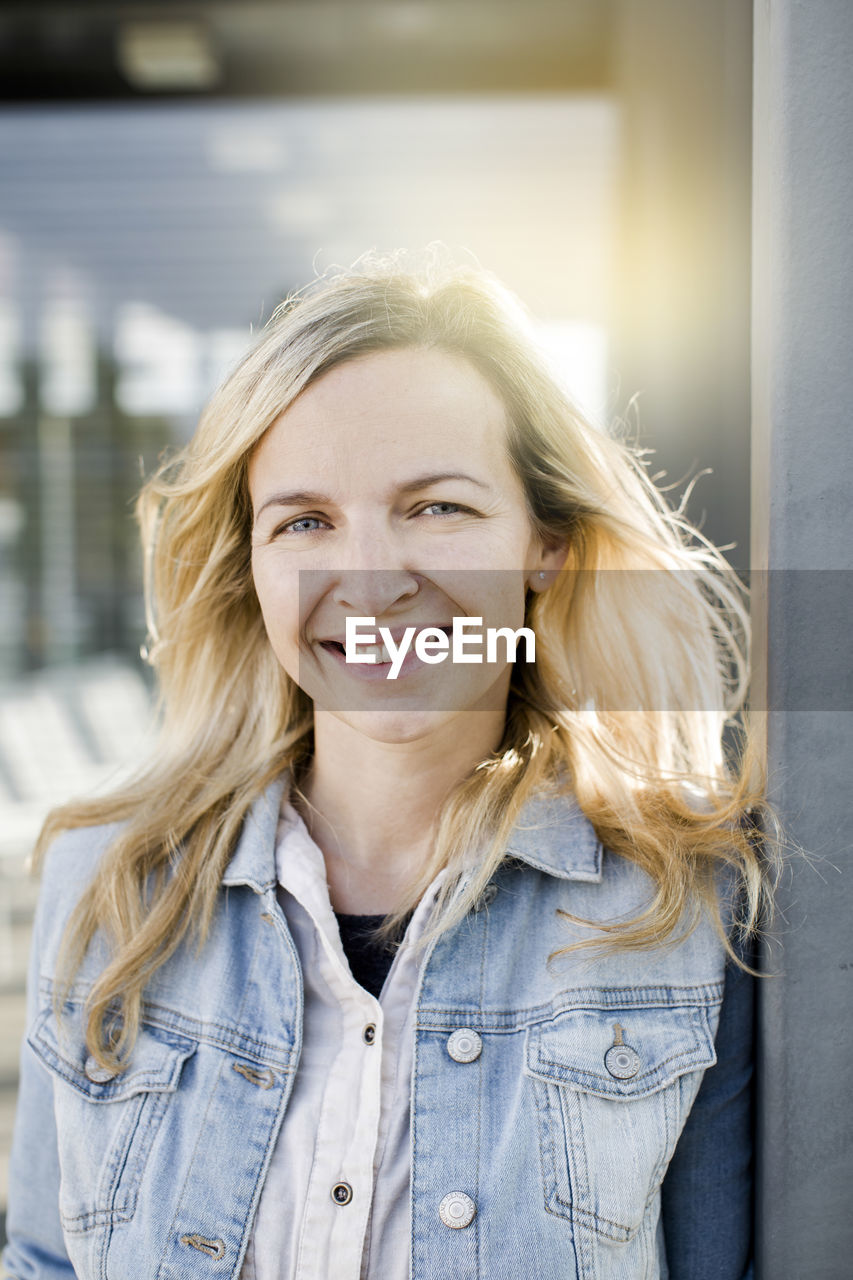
point(376, 659)
point(377, 652)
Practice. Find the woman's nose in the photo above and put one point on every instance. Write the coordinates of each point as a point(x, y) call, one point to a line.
point(372, 571)
point(373, 592)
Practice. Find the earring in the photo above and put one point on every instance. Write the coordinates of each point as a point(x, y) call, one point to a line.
point(541, 577)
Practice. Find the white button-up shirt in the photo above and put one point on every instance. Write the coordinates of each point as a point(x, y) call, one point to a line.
point(348, 1115)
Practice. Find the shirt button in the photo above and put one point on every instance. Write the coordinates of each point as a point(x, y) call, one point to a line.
point(368, 1035)
point(464, 1045)
point(456, 1209)
point(96, 1073)
point(342, 1193)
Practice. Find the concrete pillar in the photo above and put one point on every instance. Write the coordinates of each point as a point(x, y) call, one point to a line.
point(802, 523)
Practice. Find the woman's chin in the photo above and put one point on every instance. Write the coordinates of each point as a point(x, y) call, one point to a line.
point(461, 706)
point(397, 725)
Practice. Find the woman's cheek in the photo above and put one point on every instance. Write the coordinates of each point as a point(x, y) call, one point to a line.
point(279, 605)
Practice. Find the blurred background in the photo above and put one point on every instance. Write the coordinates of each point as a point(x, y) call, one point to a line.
point(169, 171)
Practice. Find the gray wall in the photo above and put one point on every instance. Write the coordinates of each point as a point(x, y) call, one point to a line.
point(802, 520)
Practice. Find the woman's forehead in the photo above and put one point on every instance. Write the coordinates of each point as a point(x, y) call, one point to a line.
point(407, 378)
point(408, 411)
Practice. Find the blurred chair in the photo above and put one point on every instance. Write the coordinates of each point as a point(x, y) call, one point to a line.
point(64, 733)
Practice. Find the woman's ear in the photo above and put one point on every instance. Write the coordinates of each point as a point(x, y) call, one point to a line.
point(552, 557)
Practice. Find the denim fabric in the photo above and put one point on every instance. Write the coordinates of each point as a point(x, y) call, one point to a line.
point(707, 1193)
point(158, 1171)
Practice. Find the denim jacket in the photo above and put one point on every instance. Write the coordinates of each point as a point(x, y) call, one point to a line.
point(557, 1127)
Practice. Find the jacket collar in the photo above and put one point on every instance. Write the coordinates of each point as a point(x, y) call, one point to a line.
point(552, 834)
point(253, 860)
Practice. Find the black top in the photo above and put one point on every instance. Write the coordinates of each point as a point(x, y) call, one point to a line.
point(369, 960)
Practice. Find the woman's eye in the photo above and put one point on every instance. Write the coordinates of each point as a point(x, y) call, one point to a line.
point(446, 508)
point(303, 524)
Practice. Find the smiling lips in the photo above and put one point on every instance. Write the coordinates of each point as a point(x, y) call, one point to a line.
point(379, 652)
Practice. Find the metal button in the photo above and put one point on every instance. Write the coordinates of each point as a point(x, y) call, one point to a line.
point(368, 1035)
point(622, 1061)
point(96, 1073)
point(456, 1209)
point(342, 1193)
point(464, 1045)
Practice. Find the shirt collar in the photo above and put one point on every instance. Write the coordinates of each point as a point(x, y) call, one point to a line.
point(552, 834)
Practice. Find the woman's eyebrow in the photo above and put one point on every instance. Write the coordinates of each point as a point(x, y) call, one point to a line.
point(293, 498)
point(306, 497)
point(438, 477)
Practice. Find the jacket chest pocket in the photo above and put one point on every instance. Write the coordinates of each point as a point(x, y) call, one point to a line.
point(613, 1088)
point(105, 1125)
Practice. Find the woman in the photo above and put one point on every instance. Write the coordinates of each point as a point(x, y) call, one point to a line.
point(413, 965)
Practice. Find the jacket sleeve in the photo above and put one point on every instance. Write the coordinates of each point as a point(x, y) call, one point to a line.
point(707, 1203)
point(35, 1246)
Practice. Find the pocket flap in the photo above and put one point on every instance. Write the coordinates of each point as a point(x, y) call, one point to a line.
point(659, 1044)
point(154, 1067)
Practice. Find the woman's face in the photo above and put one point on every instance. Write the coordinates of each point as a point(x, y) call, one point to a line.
point(385, 491)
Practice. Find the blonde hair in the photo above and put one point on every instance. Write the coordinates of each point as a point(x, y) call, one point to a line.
point(641, 652)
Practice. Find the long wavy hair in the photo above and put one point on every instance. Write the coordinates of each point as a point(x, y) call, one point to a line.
point(642, 654)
